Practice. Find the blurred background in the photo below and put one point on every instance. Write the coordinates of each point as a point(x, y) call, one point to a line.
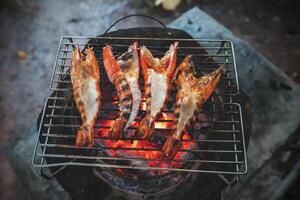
point(30, 31)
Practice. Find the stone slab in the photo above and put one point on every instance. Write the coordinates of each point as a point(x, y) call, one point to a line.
point(275, 108)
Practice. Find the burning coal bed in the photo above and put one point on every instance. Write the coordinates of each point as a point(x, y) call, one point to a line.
point(140, 156)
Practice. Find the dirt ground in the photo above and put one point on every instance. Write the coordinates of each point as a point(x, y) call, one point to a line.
point(270, 26)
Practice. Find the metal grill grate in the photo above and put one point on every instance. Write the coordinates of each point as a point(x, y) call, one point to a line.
point(220, 146)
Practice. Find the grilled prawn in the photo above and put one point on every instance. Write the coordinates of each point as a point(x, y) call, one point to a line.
point(157, 75)
point(123, 72)
point(85, 77)
point(192, 94)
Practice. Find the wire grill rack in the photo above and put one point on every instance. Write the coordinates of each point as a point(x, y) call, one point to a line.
point(221, 146)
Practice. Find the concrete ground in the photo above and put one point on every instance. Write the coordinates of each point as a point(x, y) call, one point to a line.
point(30, 32)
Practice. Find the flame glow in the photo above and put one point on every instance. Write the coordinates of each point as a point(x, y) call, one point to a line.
point(140, 148)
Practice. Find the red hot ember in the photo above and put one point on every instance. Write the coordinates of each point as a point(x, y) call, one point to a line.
point(146, 153)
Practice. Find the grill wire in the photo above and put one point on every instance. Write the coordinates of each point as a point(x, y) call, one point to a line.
point(221, 150)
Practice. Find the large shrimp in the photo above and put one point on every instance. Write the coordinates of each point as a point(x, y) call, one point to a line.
point(85, 77)
point(192, 94)
point(123, 72)
point(157, 75)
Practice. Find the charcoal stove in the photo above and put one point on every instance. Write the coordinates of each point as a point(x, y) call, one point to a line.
point(219, 138)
